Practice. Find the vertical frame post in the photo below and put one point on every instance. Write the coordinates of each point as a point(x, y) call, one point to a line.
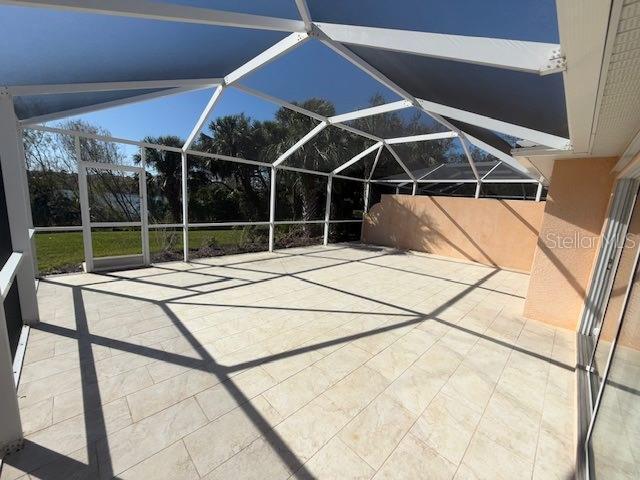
point(478, 190)
point(367, 187)
point(27, 201)
point(415, 187)
point(85, 212)
point(11, 435)
point(327, 210)
point(539, 192)
point(272, 208)
point(144, 209)
point(17, 208)
point(185, 208)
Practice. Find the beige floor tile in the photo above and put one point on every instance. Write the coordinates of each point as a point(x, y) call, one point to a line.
point(554, 457)
point(414, 459)
point(79, 465)
point(488, 460)
point(377, 342)
point(258, 461)
point(459, 341)
point(415, 388)
point(38, 390)
point(508, 423)
point(172, 463)
point(221, 439)
point(394, 360)
point(70, 404)
point(335, 353)
point(439, 360)
point(131, 445)
point(307, 430)
point(283, 368)
point(336, 461)
point(298, 390)
point(70, 435)
point(469, 386)
point(447, 426)
point(40, 351)
point(224, 397)
point(357, 389)
point(37, 416)
point(162, 395)
point(377, 430)
point(342, 362)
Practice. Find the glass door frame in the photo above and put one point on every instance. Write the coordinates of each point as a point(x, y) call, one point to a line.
point(616, 244)
point(589, 393)
point(596, 404)
point(88, 225)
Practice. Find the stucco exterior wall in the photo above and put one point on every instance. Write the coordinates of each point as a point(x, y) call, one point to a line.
point(500, 233)
point(575, 210)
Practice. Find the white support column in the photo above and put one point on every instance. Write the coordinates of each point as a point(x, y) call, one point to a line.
point(144, 209)
point(478, 189)
point(27, 202)
point(367, 187)
point(397, 190)
point(17, 208)
point(11, 435)
point(539, 192)
point(415, 186)
point(85, 213)
point(272, 208)
point(185, 209)
point(327, 210)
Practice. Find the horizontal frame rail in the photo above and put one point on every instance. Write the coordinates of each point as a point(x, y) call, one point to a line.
point(9, 272)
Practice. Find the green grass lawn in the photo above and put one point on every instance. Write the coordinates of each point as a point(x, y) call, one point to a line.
point(64, 251)
point(59, 252)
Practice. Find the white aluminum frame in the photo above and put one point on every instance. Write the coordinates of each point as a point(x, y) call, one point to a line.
point(315, 131)
point(301, 32)
point(167, 12)
point(537, 57)
point(530, 57)
point(18, 209)
point(51, 89)
point(102, 106)
point(85, 207)
point(184, 225)
point(11, 434)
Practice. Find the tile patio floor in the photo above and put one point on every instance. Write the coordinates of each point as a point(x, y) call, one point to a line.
point(339, 362)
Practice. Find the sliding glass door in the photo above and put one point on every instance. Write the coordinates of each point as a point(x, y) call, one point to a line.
point(613, 438)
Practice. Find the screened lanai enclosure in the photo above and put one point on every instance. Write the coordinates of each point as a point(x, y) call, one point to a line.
point(319, 239)
point(340, 132)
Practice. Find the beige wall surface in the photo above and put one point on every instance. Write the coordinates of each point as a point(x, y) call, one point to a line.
point(500, 233)
point(575, 210)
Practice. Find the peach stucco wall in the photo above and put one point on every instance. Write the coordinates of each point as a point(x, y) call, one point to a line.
point(500, 233)
point(576, 206)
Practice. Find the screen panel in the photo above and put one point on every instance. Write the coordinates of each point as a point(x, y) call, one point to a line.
point(314, 71)
point(533, 20)
point(524, 99)
point(71, 47)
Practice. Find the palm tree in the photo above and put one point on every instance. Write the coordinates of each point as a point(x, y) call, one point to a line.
point(164, 180)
